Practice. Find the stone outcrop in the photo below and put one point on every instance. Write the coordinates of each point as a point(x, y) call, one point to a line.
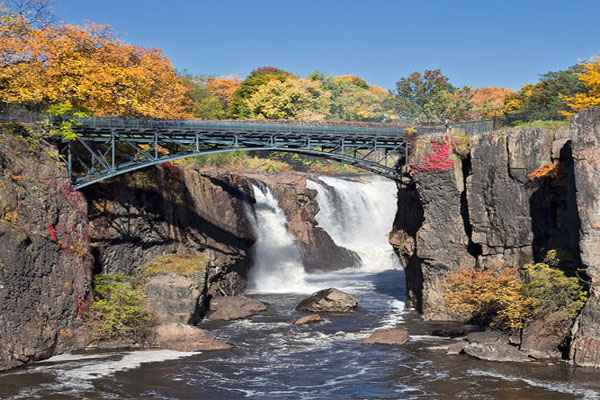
point(171, 210)
point(329, 300)
point(513, 196)
point(491, 346)
point(181, 337)
point(228, 308)
point(389, 336)
point(309, 319)
point(481, 209)
point(45, 265)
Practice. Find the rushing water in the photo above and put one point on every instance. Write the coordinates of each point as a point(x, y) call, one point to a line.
point(277, 263)
point(273, 359)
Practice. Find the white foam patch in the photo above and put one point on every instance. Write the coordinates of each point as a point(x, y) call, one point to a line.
point(565, 388)
point(74, 357)
point(395, 316)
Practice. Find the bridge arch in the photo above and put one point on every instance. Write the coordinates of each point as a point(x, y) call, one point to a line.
point(106, 148)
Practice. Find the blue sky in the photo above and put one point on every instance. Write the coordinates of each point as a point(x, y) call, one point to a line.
point(477, 43)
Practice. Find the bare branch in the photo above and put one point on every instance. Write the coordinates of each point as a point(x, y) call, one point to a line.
point(37, 12)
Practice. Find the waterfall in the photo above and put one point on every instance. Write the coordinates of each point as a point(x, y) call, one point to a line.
point(277, 266)
point(358, 215)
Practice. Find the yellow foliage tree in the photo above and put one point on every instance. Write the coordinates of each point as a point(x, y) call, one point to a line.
point(492, 296)
point(590, 77)
point(291, 98)
point(88, 69)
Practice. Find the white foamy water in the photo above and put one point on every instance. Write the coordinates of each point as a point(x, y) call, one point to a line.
point(277, 264)
point(359, 215)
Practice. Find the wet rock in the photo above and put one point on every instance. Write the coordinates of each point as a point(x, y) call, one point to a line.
point(456, 348)
point(391, 336)
point(180, 337)
point(329, 300)
point(228, 308)
point(453, 331)
point(309, 319)
point(492, 346)
point(487, 337)
point(495, 352)
point(543, 337)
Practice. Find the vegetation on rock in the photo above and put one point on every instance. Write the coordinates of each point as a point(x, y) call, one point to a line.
point(506, 298)
point(118, 311)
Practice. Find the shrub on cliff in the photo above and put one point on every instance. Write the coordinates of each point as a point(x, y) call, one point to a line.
point(498, 297)
point(488, 297)
point(551, 290)
point(118, 310)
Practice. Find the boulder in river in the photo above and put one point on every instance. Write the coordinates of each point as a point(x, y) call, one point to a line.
point(390, 336)
point(493, 346)
point(227, 308)
point(329, 300)
point(309, 319)
point(181, 337)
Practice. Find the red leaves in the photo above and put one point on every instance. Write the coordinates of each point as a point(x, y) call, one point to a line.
point(52, 233)
point(438, 159)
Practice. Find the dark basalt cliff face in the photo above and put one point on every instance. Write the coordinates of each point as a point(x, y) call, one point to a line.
point(585, 349)
point(486, 208)
point(45, 264)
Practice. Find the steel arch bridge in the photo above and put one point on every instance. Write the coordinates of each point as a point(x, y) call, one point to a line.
point(107, 147)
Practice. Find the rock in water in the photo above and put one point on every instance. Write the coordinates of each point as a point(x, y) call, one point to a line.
point(329, 300)
point(495, 352)
point(309, 319)
point(180, 337)
point(391, 336)
point(227, 308)
point(493, 346)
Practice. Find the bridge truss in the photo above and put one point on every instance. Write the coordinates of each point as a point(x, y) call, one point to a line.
point(106, 148)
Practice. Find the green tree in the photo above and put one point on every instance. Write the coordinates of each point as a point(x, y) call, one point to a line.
point(546, 100)
point(205, 105)
point(430, 97)
point(239, 105)
point(354, 100)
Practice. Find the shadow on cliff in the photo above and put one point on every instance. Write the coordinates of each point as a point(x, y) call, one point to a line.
point(553, 208)
point(159, 213)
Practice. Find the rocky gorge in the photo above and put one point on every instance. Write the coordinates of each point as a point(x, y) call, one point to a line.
point(188, 235)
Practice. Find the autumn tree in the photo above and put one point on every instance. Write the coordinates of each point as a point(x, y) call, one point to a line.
point(589, 77)
point(353, 99)
point(223, 88)
point(88, 69)
point(291, 98)
point(546, 99)
point(488, 103)
point(261, 76)
point(430, 98)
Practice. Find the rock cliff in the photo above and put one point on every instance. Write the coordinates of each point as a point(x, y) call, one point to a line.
point(45, 264)
point(503, 199)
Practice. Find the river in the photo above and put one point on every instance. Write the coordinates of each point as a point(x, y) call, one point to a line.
point(273, 359)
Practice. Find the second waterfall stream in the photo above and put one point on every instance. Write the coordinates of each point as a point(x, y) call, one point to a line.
point(357, 214)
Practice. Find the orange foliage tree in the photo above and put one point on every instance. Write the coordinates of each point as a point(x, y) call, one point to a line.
point(223, 89)
point(489, 102)
point(87, 68)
